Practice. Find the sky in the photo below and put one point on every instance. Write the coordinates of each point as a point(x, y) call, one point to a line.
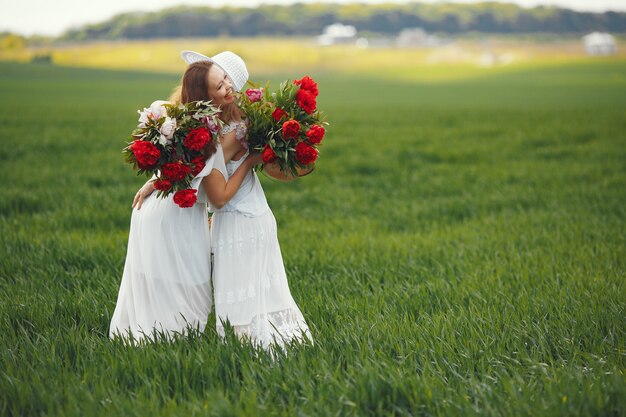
point(53, 17)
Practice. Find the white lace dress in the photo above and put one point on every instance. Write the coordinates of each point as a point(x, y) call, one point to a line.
point(250, 284)
point(166, 284)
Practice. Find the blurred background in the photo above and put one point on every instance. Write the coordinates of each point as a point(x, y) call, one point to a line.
point(428, 40)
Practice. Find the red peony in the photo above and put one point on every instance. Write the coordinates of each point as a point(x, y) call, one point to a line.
point(162, 185)
point(146, 153)
point(305, 154)
point(315, 134)
point(306, 101)
point(175, 171)
point(291, 129)
point(197, 139)
point(199, 164)
point(307, 83)
point(278, 114)
point(268, 155)
point(185, 198)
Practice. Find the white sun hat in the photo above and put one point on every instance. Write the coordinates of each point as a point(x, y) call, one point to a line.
point(231, 63)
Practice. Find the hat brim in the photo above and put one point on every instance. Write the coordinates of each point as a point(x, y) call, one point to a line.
point(229, 62)
point(191, 57)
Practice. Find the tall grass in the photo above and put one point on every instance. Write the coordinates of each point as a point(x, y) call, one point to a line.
point(460, 250)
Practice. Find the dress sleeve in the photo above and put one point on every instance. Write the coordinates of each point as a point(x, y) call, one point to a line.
point(215, 161)
point(220, 162)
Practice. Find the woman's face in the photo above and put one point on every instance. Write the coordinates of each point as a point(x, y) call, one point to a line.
point(220, 87)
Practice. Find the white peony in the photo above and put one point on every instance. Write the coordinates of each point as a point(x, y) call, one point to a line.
point(143, 117)
point(155, 111)
point(167, 130)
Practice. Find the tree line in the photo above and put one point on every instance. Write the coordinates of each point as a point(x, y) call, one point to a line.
point(310, 19)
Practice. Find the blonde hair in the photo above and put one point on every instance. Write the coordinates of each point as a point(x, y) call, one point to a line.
point(175, 97)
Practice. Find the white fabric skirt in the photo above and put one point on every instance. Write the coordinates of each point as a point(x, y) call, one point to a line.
point(251, 289)
point(166, 285)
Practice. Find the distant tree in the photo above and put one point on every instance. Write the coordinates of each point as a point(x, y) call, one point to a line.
point(313, 26)
point(527, 23)
point(485, 22)
point(614, 22)
point(450, 24)
point(310, 19)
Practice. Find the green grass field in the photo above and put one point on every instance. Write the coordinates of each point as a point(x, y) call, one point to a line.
point(460, 250)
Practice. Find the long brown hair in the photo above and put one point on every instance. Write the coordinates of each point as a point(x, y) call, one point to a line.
point(195, 87)
point(195, 82)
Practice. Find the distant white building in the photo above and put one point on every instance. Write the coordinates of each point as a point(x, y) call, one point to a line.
point(337, 33)
point(417, 37)
point(599, 43)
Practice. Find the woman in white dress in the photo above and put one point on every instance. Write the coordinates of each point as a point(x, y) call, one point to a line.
point(166, 284)
point(250, 285)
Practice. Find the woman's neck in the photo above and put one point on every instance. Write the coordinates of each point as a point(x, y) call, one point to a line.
point(230, 113)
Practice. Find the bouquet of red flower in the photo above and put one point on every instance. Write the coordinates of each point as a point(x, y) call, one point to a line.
point(285, 125)
point(170, 142)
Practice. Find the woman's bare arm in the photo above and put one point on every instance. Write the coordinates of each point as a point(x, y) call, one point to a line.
point(218, 190)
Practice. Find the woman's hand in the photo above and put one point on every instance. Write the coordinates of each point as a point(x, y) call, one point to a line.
point(273, 170)
point(303, 172)
point(143, 193)
point(254, 159)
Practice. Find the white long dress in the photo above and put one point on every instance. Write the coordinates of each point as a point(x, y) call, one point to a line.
point(251, 289)
point(166, 284)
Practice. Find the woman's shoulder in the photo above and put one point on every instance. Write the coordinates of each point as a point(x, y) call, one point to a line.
point(227, 128)
point(232, 125)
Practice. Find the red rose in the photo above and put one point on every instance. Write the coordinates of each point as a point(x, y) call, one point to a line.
point(291, 128)
point(185, 198)
point(146, 153)
point(307, 83)
point(175, 171)
point(278, 114)
point(268, 155)
point(306, 101)
point(315, 134)
point(305, 154)
point(162, 185)
point(199, 164)
point(197, 139)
